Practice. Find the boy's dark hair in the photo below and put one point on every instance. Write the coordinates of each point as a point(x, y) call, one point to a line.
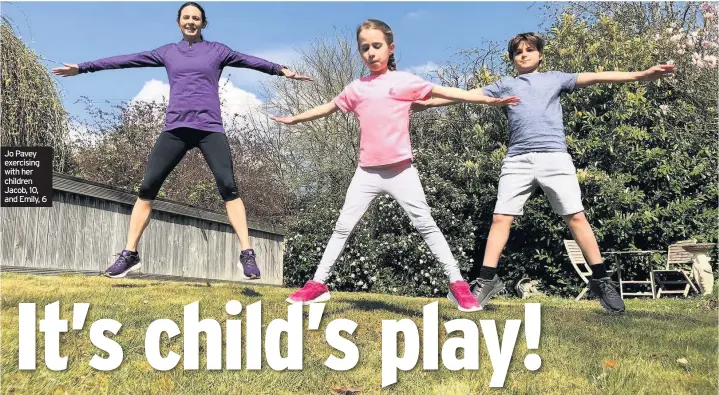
point(388, 36)
point(530, 38)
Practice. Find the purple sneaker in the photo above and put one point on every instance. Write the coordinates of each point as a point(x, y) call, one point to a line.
point(250, 271)
point(125, 263)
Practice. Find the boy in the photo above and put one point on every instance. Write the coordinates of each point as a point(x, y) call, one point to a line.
point(538, 157)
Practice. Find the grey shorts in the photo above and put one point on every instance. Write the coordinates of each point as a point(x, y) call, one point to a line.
point(554, 172)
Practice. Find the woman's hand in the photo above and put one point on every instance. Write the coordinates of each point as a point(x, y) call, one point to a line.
point(68, 71)
point(294, 76)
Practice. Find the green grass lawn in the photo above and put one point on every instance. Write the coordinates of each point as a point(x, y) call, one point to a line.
point(579, 341)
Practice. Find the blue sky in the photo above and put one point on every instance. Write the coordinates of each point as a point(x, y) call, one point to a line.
point(426, 33)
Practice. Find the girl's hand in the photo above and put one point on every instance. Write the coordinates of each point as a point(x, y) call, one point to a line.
point(293, 75)
point(503, 101)
point(68, 71)
point(284, 120)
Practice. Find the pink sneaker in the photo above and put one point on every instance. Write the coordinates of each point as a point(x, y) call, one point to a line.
point(312, 292)
point(460, 295)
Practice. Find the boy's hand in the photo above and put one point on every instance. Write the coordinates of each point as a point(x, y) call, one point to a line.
point(503, 101)
point(284, 120)
point(656, 72)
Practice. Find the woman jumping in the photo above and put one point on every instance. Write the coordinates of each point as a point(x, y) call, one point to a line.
point(193, 119)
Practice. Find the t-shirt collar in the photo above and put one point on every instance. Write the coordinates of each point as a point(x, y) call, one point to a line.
point(187, 43)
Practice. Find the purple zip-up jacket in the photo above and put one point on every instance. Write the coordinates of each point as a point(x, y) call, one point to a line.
point(194, 74)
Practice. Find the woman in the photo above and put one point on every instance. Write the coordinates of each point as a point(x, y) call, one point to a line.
point(193, 119)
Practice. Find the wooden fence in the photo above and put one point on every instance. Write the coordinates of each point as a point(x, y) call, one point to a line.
point(87, 226)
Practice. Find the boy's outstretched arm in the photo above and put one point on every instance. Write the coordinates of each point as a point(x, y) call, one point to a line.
point(651, 74)
point(309, 115)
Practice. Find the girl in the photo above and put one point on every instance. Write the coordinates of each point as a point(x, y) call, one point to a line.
point(193, 119)
point(381, 102)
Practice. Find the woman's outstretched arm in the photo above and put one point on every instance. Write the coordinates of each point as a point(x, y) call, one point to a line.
point(141, 59)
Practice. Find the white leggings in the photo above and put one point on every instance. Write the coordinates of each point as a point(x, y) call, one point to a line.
point(401, 181)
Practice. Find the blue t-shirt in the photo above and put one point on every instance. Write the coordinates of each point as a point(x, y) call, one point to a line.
point(535, 123)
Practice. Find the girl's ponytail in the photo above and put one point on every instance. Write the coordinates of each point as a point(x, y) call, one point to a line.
point(391, 63)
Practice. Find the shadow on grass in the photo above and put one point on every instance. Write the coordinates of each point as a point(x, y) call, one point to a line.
point(250, 292)
point(662, 316)
point(372, 305)
point(128, 285)
point(198, 285)
point(446, 313)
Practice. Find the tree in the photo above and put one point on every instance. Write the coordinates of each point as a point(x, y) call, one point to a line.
point(315, 158)
point(32, 113)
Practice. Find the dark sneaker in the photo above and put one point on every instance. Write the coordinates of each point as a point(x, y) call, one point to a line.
point(247, 263)
point(608, 294)
point(125, 263)
point(483, 290)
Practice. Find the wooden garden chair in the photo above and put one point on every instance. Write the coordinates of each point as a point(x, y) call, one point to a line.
point(576, 257)
point(675, 273)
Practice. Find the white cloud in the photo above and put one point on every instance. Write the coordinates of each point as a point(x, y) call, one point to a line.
point(416, 15)
point(425, 68)
point(153, 91)
point(428, 70)
point(235, 100)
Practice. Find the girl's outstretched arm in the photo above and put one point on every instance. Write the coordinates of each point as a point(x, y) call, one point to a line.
point(309, 115)
point(474, 96)
point(421, 105)
point(651, 74)
point(447, 96)
point(141, 59)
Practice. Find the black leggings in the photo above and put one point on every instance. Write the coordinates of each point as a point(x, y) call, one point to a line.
point(171, 147)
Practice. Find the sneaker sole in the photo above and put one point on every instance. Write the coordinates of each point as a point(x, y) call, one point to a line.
point(460, 308)
point(491, 294)
point(242, 273)
point(322, 298)
point(123, 274)
point(609, 309)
